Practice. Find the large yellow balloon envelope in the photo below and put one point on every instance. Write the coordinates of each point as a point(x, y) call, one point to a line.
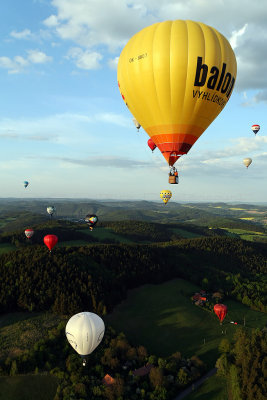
point(176, 77)
point(165, 195)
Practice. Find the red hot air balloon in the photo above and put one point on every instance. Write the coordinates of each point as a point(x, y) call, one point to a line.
point(151, 144)
point(28, 233)
point(50, 241)
point(221, 311)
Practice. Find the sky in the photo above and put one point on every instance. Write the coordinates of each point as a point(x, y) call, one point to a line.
point(65, 128)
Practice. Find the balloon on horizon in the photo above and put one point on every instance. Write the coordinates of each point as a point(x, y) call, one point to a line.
point(165, 195)
point(176, 77)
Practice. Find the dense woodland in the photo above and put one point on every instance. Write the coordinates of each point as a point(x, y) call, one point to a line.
point(244, 365)
point(97, 276)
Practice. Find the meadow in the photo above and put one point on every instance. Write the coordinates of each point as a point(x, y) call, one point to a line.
point(28, 387)
point(163, 318)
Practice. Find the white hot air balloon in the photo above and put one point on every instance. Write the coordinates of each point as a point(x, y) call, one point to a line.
point(84, 332)
point(247, 162)
point(136, 123)
point(51, 210)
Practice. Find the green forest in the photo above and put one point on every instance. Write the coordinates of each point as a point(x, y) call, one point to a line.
point(94, 271)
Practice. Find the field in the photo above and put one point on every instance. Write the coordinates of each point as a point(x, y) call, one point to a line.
point(28, 387)
point(246, 235)
point(6, 247)
point(163, 318)
point(106, 233)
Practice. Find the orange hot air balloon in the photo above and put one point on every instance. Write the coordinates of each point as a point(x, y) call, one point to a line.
point(176, 77)
point(221, 311)
point(50, 241)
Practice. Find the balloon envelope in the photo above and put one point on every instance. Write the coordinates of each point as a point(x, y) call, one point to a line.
point(151, 144)
point(165, 195)
point(29, 233)
point(176, 77)
point(84, 332)
point(50, 241)
point(221, 311)
point(91, 219)
point(25, 183)
point(247, 162)
point(255, 128)
point(51, 210)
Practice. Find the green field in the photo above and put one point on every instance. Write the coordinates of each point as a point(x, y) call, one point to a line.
point(28, 387)
point(6, 247)
point(185, 234)
point(246, 235)
point(213, 388)
point(106, 233)
point(163, 318)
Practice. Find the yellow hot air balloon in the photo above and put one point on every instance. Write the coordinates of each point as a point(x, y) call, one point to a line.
point(165, 195)
point(176, 77)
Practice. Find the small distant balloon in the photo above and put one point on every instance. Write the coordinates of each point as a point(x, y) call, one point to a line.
point(91, 220)
point(247, 162)
point(255, 128)
point(165, 196)
point(151, 145)
point(29, 233)
point(25, 184)
point(136, 123)
point(50, 241)
point(51, 210)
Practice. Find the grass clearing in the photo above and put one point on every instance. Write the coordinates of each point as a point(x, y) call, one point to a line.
point(163, 318)
point(19, 331)
point(28, 387)
point(246, 235)
point(214, 388)
point(185, 234)
point(106, 233)
point(6, 247)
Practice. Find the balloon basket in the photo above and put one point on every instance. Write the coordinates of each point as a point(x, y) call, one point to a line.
point(173, 180)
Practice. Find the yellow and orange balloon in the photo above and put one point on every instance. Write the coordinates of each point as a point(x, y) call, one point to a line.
point(165, 195)
point(176, 77)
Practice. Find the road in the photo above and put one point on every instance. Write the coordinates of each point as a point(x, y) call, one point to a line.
point(196, 384)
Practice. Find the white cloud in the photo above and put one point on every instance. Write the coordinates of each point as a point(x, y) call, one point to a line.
point(38, 57)
point(51, 21)
point(25, 34)
point(116, 119)
point(236, 34)
point(85, 59)
point(243, 22)
point(113, 62)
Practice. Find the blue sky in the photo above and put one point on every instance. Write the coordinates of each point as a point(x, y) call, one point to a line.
point(65, 128)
